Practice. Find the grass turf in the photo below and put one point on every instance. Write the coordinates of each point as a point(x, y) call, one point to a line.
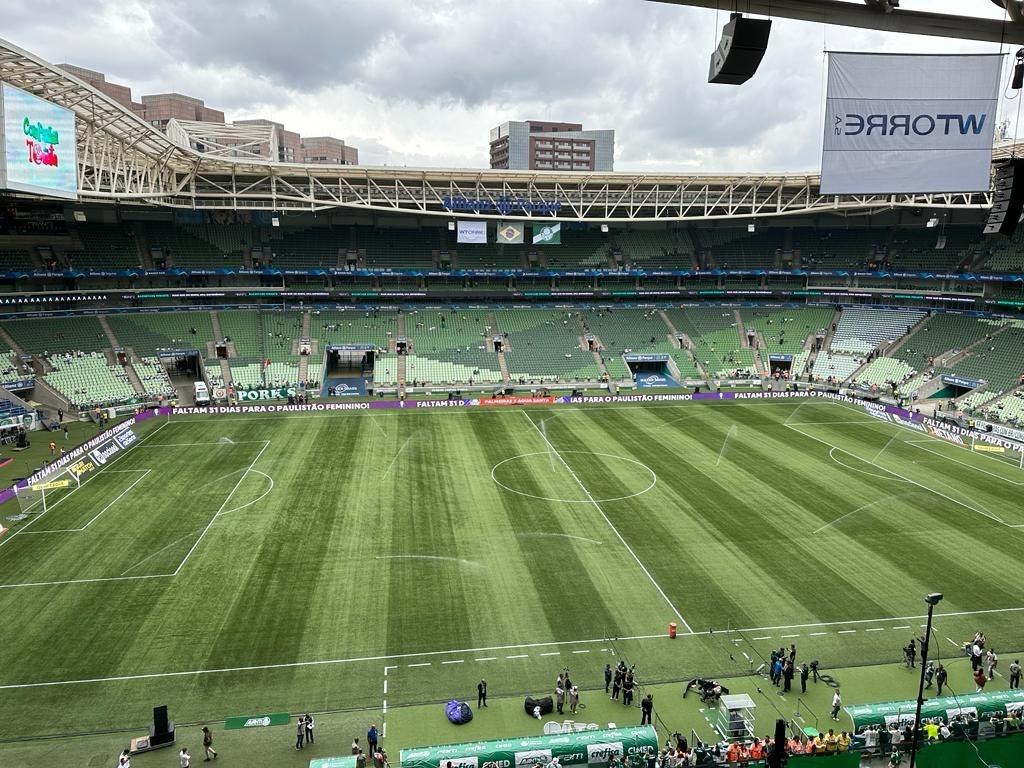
point(242, 565)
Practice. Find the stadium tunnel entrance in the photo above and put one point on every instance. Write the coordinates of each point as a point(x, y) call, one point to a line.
point(348, 371)
point(652, 370)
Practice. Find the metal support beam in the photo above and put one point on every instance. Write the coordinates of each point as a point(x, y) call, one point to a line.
point(846, 14)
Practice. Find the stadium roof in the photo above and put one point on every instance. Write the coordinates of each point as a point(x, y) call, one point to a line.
point(123, 158)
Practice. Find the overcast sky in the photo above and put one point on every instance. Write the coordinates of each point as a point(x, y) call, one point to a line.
point(422, 82)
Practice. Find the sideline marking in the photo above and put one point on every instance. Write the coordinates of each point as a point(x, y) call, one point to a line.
point(421, 654)
point(615, 530)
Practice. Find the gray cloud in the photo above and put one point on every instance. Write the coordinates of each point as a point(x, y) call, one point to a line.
point(420, 82)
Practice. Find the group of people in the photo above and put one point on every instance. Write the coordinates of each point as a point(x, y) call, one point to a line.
point(565, 688)
point(621, 680)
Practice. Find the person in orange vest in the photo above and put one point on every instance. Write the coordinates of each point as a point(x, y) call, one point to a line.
point(980, 679)
point(756, 750)
point(795, 746)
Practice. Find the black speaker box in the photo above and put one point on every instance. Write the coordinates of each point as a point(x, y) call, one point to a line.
point(160, 719)
point(1007, 198)
point(740, 51)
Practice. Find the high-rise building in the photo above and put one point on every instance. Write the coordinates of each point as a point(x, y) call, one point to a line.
point(539, 145)
point(159, 108)
point(329, 150)
point(122, 94)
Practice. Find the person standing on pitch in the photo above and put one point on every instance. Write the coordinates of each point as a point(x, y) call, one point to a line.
point(1015, 674)
point(208, 749)
point(616, 684)
point(787, 675)
point(929, 673)
point(627, 690)
point(481, 694)
point(309, 728)
point(371, 740)
point(574, 699)
point(837, 703)
point(805, 672)
point(991, 662)
point(940, 679)
point(559, 696)
point(300, 732)
point(607, 677)
point(184, 758)
point(646, 709)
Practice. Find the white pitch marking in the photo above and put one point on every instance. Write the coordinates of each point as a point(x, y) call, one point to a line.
point(266, 444)
point(846, 631)
point(457, 661)
point(615, 530)
point(550, 653)
point(921, 443)
point(875, 629)
point(397, 454)
point(954, 642)
point(785, 637)
point(732, 431)
point(542, 534)
point(116, 498)
point(861, 508)
point(259, 498)
point(581, 651)
point(904, 626)
point(421, 664)
point(384, 709)
point(162, 549)
point(817, 634)
point(190, 445)
point(766, 637)
point(385, 686)
point(421, 654)
point(518, 656)
point(437, 558)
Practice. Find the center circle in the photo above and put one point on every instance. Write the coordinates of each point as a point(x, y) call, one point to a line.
point(543, 462)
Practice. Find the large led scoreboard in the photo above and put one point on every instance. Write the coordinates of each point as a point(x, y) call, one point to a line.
point(38, 145)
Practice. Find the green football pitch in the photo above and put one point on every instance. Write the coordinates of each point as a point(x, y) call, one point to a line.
point(234, 565)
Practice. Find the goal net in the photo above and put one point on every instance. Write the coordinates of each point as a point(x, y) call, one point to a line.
point(36, 498)
point(1005, 451)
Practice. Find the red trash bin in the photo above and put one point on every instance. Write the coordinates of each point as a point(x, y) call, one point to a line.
point(672, 630)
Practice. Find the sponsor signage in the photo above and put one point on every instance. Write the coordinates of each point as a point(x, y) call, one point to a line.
point(255, 395)
point(648, 380)
point(960, 381)
point(579, 748)
point(105, 452)
point(346, 390)
point(257, 721)
point(472, 232)
point(347, 761)
point(984, 704)
point(649, 358)
point(51, 485)
point(904, 123)
point(21, 384)
point(503, 205)
point(126, 438)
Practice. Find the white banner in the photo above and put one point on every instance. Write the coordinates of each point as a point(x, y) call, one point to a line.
point(905, 123)
point(472, 231)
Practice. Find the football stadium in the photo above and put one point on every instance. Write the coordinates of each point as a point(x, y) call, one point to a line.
point(318, 464)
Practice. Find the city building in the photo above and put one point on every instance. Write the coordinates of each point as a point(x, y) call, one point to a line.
point(546, 146)
point(189, 121)
point(329, 150)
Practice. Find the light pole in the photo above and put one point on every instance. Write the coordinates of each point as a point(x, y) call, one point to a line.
point(933, 599)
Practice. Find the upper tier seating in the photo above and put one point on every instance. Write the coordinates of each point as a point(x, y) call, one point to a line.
point(716, 340)
point(104, 246)
point(639, 331)
point(45, 336)
point(941, 333)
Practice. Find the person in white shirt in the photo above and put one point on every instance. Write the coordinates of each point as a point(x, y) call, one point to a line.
point(125, 760)
point(837, 703)
point(184, 758)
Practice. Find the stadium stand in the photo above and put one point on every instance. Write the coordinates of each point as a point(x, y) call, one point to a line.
point(1010, 409)
point(635, 330)
point(861, 329)
point(785, 331)
point(353, 326)
point(716, 340)
point(732, 248)
point(656, 249)
point(15, 259)
point(941, 333)
point(186, 250)
point(999, 361)
point(544, 347)
point(835, 366)
point(149, 333)
point(154, 378)
point(451, 347)
point(87, 380)
point(104, 246)
point(45, 336)
point(306, 248)
point(398, 248)
point(884, 370)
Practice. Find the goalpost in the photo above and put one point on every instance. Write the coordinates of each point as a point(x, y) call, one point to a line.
point(36, 498)
point(1007, 452)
